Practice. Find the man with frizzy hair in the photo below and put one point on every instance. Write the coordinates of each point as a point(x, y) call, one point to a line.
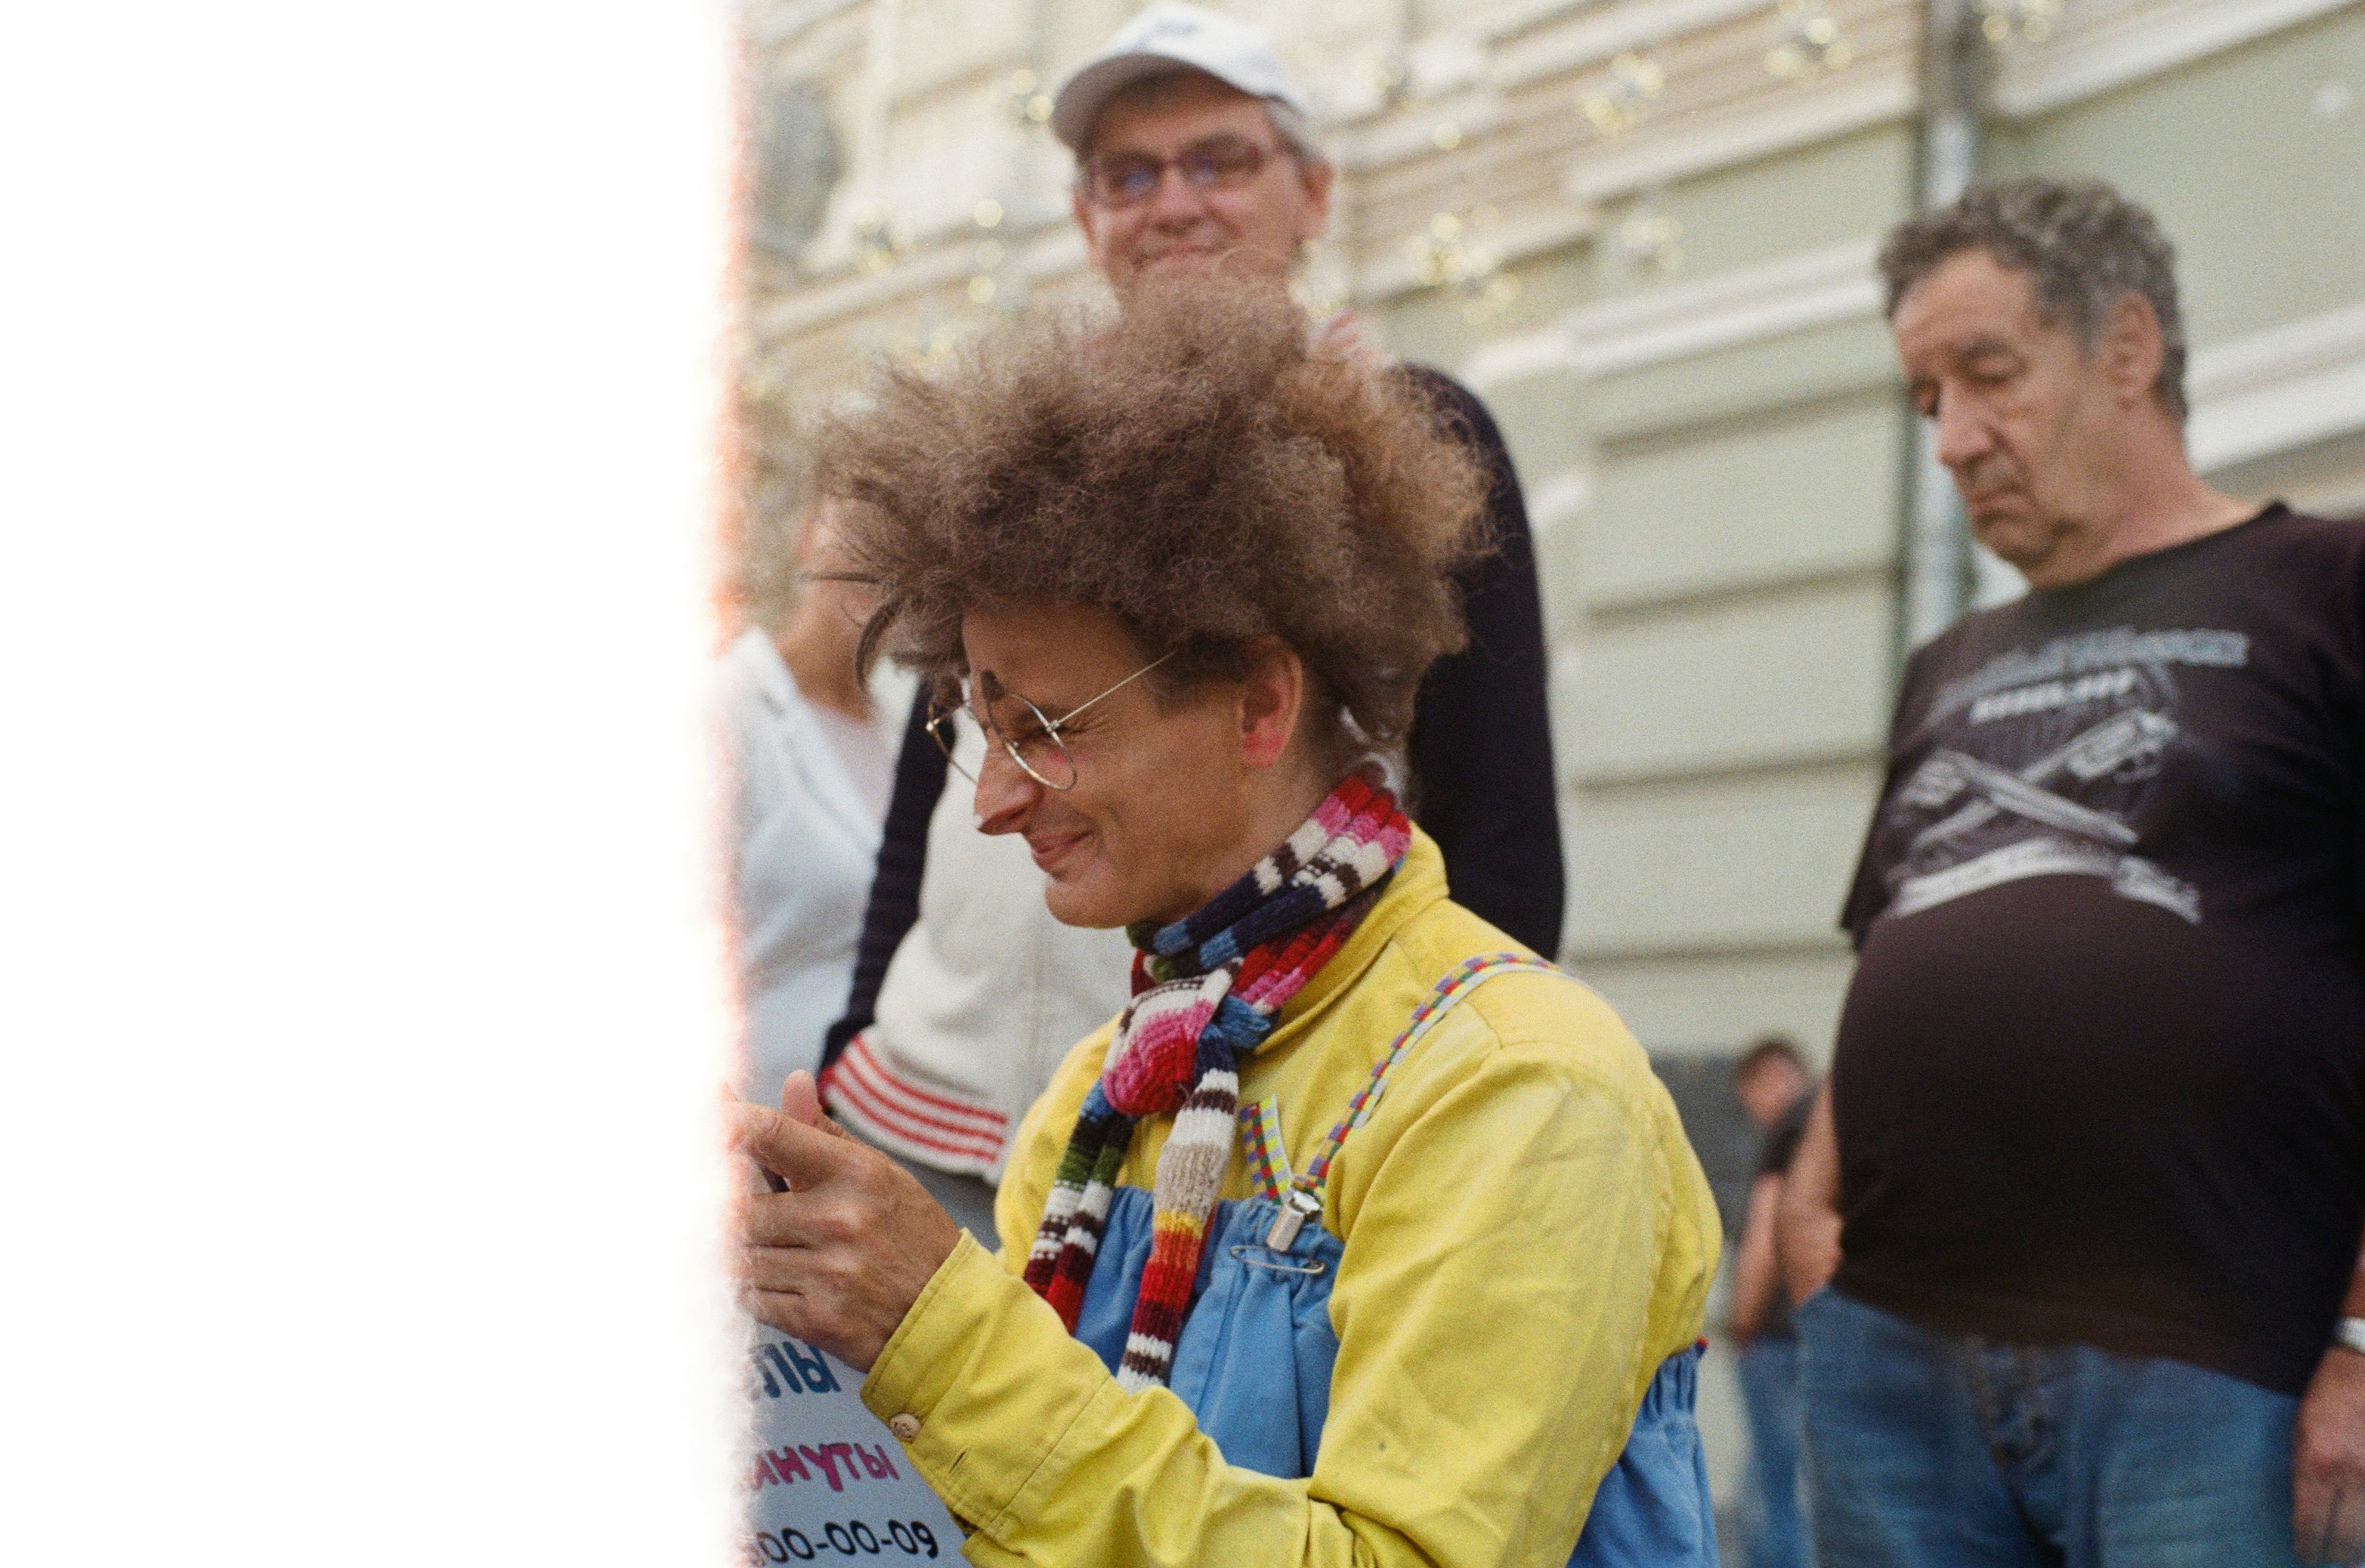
point(1194, 157)
point(2075, 1221)
point(1361, 1234)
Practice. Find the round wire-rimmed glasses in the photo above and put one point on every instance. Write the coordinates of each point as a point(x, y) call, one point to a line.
point(1037, 749)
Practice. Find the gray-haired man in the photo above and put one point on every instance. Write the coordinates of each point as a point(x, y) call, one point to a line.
point(2094, 1141)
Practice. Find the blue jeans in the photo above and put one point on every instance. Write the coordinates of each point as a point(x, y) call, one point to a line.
point(1928, 1450)
point(1776, 1530)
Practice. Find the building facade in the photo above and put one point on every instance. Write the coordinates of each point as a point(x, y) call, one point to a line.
point(1644, 230)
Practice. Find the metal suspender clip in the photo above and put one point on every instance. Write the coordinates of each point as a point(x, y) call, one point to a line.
point(1296, 1210)
point(1304, 1200)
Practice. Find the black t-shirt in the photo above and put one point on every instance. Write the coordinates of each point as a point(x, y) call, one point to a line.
point(2100, 1075)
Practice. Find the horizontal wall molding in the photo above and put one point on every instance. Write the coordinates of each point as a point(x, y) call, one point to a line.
point(1618, 611)
point(1604, 785)
point(1410, 133)
point(1510, 18)
point(857, 293)
point(1522, 358)
point(2280, 388)
point(2269, 392)
point(777, 25)
point(1533, 46)
point(1050, 252)
point(1800, 946)
point(1737, 120)
point(1560, 500)
point(1641, 960)
point(1744, 306)
point(1817, 289)
point(1392, 273)
point(2137, 42)
point(1845, 104)
point(1589, 41)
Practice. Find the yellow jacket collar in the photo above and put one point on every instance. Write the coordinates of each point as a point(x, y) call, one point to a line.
point(1419, 882)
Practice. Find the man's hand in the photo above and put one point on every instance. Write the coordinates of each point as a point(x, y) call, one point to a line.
point(2329, 1462)
point(1756, 1266)
point(1344, 336)
point(840, 1258)
point(1809, 1234)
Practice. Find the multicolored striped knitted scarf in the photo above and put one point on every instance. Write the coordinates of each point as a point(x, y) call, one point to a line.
point(1206, 992)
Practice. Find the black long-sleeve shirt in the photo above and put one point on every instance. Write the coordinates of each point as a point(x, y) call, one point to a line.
point(1479, 754)
point(1480, 751)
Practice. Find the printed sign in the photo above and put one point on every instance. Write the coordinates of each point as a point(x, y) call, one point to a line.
point(829, 1481)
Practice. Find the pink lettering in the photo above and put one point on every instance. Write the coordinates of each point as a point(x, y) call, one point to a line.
point(825, 1459)
point(837, 1463)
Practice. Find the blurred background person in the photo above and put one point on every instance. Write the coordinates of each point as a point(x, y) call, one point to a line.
point(1194, 154)
point(809, 772)
point(2095, 1126)
point(1772, 1084)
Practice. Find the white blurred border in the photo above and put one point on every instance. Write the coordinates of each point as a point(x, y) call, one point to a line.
point(361, 1010)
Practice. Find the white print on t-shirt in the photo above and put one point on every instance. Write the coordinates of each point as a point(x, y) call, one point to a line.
point(2043, 761)
point(2119, 647)
point(2047, 695)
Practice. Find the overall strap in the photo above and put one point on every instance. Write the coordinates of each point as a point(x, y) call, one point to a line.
point(1305, 1199)
point(1268, 1155)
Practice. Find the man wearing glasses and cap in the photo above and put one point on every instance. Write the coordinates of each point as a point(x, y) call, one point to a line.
point(1195, 155)
point(1202, 96)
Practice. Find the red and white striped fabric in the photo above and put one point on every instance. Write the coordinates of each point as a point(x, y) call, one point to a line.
point(937, 1126)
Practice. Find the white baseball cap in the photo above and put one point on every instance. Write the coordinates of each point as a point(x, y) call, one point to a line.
point(1162, 37)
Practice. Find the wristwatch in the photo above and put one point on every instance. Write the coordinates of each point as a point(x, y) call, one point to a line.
point(2349, 1334)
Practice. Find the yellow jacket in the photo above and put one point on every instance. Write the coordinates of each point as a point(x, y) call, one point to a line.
point(1527, 1236)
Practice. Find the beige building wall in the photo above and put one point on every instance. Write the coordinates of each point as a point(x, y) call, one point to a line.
point(1662, 216)
point(1675, 318)
point(1669, 209)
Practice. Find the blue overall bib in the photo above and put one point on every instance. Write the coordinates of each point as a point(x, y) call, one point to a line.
point(1254, 1358)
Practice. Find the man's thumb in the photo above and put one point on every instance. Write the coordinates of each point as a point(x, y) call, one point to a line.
point(801, 1098)
point(800, 1102)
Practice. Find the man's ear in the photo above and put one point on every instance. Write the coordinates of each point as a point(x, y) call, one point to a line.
point(1272, 700)
point(1316, 178)
point(2132, 349)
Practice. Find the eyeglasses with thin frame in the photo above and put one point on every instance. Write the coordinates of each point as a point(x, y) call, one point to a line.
point(1039, 750)
point(1216, 163)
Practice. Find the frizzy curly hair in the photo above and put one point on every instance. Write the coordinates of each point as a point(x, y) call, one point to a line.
point(1192, 467)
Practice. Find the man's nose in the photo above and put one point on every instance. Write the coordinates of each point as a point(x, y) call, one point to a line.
point(1176, 199)
point(1005, 792)
point(1963, 436)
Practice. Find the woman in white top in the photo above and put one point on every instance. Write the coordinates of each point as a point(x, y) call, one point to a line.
point(810, 774)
